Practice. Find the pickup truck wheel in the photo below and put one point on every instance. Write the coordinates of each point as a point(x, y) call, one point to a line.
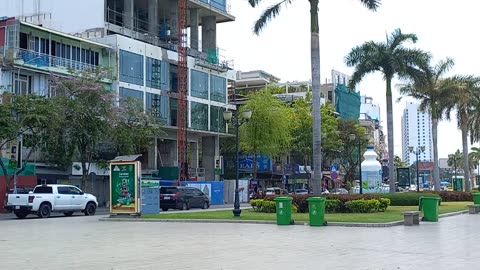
point(44, 211)
point(21, 215)
point(90, 209)
point(68, 214)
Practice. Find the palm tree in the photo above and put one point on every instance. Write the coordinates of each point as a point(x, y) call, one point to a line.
point(463, 101)
point(390, 58)
point(431, 90)
point(475, 157)
point(455, 161)
point(272, 12)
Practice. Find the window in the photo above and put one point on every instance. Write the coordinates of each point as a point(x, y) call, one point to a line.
point(199, 84)
point(63, 190)
point(22, 84)
point(157, 105)
point(157, 74)
point(74, 191)
point(43, 190)
point(218, 89)
point(199, 116)
point(131, 67)
point(217, 124)
point(126, 93)
point(173, 111)
point(173, 78)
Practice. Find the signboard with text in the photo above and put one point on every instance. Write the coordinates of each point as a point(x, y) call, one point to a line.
point(124, 187)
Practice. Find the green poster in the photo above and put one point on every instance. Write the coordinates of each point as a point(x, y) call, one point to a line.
point(123, 178)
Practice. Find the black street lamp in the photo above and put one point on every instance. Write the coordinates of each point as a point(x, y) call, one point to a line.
point(352, 138)
point(417, 151)
point(237, 122)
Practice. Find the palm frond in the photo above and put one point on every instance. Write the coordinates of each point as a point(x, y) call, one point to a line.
point(254, 3)
point(371, 4)
point(267, 15)
point(397, 38)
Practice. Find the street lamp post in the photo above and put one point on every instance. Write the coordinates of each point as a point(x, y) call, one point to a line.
point(237, 122)
point(352, 138)
point(417, 152)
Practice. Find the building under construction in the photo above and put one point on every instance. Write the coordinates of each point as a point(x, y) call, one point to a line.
point(163, 52)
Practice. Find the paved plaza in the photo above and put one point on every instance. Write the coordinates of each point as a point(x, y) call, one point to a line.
point(83, 242)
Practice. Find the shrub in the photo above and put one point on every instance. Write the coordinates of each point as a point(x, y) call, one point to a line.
point(268, 207)
point(363, 206)
point(255, 204)
point(455, 196)
point(384, 203)
point(405, 198)
point(332, 206)
point(294, 208)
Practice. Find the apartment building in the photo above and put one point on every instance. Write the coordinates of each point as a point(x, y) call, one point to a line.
point(416, 132)
point(139, 41)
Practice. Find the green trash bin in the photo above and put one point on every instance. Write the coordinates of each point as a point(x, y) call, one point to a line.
point(284, 210)
point(476, 198)
point(316, 211)
point(430, 207)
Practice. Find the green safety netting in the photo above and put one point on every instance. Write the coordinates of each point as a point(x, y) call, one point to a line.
point(347, 102)
point(29, 170)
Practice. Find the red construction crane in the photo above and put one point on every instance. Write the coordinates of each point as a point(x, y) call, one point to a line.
point(182, 92)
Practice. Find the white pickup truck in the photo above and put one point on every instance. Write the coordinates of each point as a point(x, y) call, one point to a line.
point(45, 199)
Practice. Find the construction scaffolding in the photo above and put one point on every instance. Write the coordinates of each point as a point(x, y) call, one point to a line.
point(182, 91)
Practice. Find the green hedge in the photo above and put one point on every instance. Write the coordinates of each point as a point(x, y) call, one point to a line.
point(405, 198)
point(333, 204)
point(302, 204)
point(267, 206)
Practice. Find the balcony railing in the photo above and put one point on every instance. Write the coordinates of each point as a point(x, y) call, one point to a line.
point(46, 61)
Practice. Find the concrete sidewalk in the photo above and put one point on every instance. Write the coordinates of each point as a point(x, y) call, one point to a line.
point(81, 242)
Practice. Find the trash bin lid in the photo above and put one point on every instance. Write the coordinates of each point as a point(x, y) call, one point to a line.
point(316, 199)
point(283, 199)
point(430, 197)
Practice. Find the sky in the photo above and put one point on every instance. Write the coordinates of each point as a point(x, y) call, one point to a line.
point(283, 47)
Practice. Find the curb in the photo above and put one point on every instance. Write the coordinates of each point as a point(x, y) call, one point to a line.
point(301, 223)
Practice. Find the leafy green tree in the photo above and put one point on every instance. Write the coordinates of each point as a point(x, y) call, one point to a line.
point(432, 91)
point(24, 116)
point(390, 58)
point(134, 129)
point(272, 12)
point(268, 131)
point(302, 129)
point(349, 151)
point(399, 163)
point(87, 118)
point(331, 139)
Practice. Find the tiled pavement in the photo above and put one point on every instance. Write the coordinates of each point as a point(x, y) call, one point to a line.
point(83, 242)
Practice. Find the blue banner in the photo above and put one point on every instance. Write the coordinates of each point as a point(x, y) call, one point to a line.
point(264, 163)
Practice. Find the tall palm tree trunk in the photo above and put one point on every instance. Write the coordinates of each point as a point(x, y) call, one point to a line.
point(466, 167)
point(317, 119)
point(390, 135)
point(436, 171)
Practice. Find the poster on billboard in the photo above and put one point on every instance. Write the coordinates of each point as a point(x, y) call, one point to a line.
point(206, 188)
point(242, 191)
point(123, 187)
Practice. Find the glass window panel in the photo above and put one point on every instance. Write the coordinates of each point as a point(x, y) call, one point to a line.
point(199, 116)
point(217, 124)
point(173, 111)
point(199, 84)
point(157, 74)
point(131, 67)
point(157, 105)
point(218, 89)
point(126, 93)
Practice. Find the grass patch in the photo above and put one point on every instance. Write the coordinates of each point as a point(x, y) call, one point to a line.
point(393, 213)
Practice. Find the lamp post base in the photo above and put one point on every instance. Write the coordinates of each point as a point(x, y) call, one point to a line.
point(237, 212)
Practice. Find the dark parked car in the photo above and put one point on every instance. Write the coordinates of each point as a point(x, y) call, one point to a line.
point(183, 198)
